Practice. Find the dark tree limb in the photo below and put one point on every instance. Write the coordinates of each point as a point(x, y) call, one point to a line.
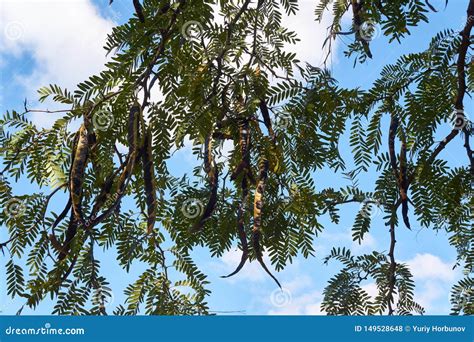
point(392, 270)
point(139, 10)
point(357, 8)
point(461, 90)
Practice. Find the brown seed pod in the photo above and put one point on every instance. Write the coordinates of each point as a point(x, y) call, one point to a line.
point(133, 138)
point(104, 193)
point(244, 142)
point(210, 167)
point(400, 174)
point(70, 234)
point(149, 180)
point(241, 228)
point(78, 172)
point(266, 119)
point(403, 183)
point(257, 216)
point(391, 143)
point(55, 243)
point(133, 120)
point(52, 236)
point(62, 215)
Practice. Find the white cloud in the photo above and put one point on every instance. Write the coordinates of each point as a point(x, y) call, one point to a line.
point(371, 289)
point(434, 278)
point(311, 33)
point(298, 283)
point(304, 304)
point(429, 294)
point(298, 297)
point(342, 238)
point(431, 267)
point(367, 245)
point(64, 39)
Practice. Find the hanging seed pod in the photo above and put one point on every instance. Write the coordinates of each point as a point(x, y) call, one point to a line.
point(257, 216)
point(391, 143)
point(61, 216)
point(149, 181)
point(403, 183)
point(55, 243)
point(132, 138)
point(210, 167)
point(400, 175)
point(104, 194)
point(78, 173)
point(93, 157)
point(241, 228)
point(266, 119)
point(133, 120)
point(244, 142)
point(70, 234)
point(52, 237)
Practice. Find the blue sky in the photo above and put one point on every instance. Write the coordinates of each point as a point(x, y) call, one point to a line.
point(44, 41)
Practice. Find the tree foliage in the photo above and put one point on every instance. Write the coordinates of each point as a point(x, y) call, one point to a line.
point(209, 72)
